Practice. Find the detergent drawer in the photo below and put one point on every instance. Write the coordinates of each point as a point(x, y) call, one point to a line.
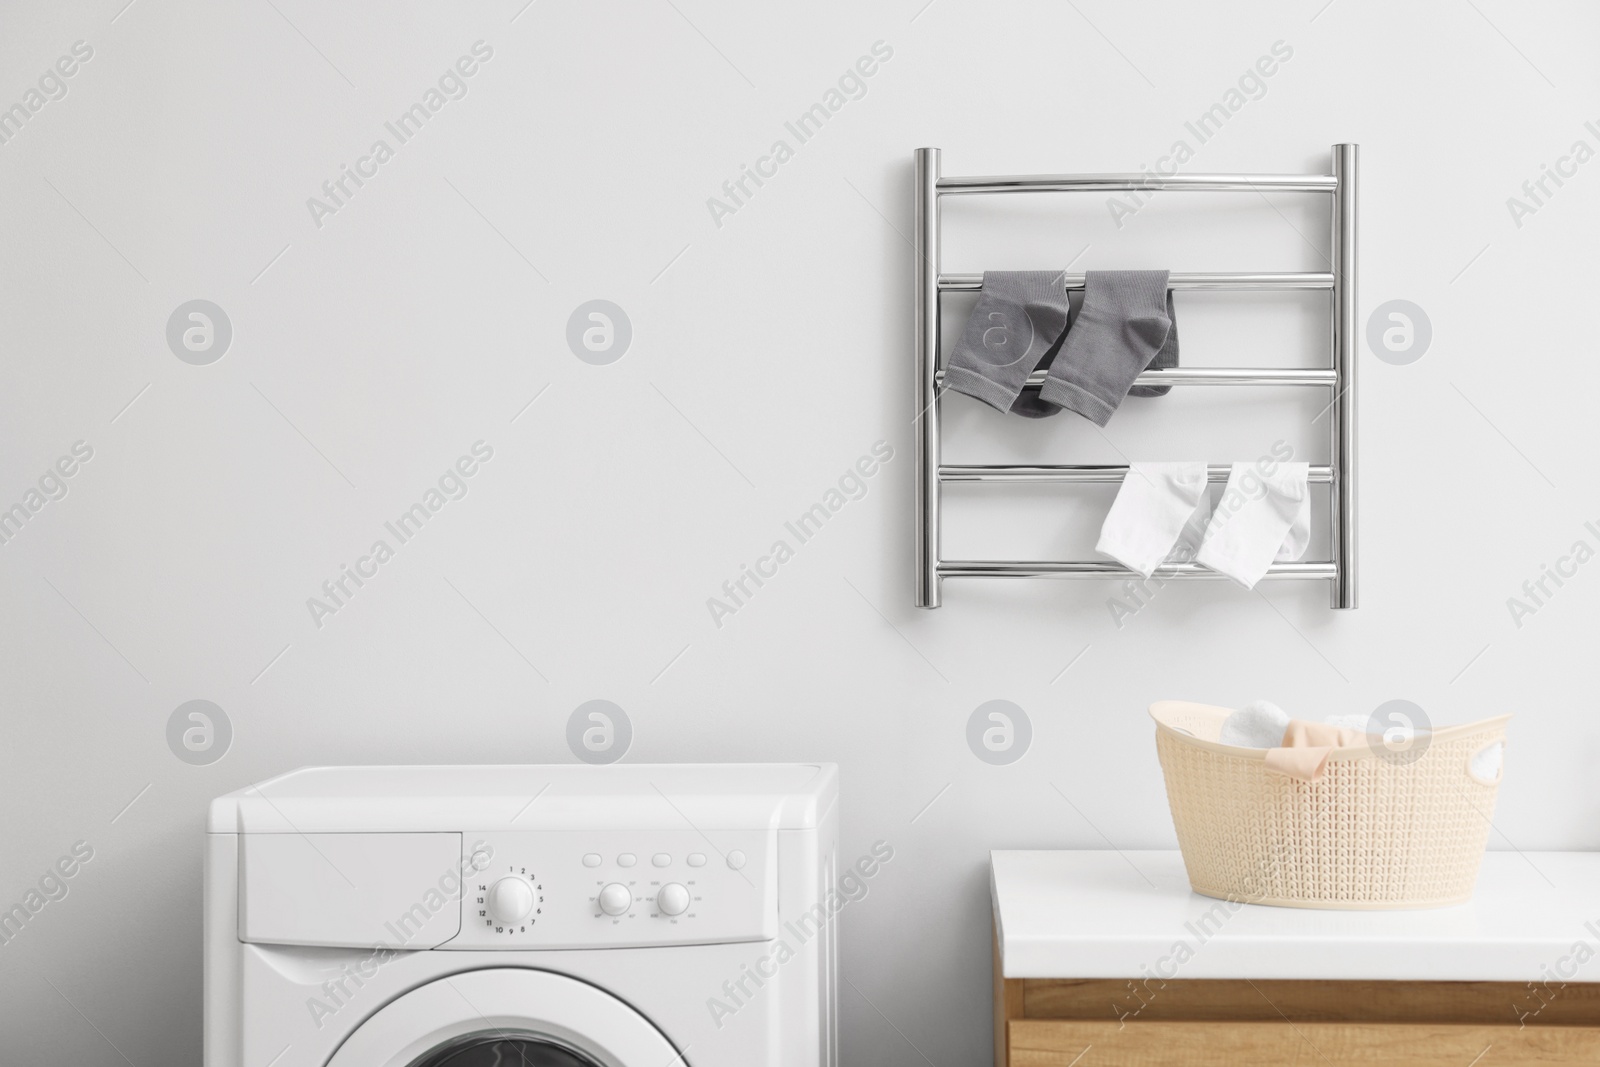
point(350, 890)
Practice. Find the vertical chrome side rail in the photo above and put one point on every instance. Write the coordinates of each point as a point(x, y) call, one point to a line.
point(925, 206)
point(1346, 335)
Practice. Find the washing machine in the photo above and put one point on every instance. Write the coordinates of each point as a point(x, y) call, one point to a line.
point(539, 916)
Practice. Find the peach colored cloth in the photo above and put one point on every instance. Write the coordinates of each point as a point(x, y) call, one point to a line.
point(1306, 747)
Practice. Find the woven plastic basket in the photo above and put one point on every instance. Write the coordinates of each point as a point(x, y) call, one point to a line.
point(1377, 830)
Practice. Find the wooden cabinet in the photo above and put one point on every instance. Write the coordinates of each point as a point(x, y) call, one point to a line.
point(1511, 978)
point(1061, 1022)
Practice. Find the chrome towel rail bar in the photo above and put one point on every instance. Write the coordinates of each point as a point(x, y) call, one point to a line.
point(1112, 183)
point(1094, 568)
point(950, 283)
point(1079, 472)
point(1212, 376)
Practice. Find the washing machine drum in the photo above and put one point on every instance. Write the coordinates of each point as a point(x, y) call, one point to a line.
point(506, 1017)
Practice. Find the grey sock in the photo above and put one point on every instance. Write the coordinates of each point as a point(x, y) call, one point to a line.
point(1121, 329)
point(1165, 359)
point(1029, 404)
point(1018, 320)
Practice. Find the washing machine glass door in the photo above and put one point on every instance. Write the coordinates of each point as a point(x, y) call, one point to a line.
point(506, 1017)
point(496, 1050)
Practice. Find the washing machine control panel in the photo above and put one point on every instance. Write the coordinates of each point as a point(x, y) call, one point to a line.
point(616, 888)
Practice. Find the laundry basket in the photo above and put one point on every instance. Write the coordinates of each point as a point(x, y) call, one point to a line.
point(1376, 830)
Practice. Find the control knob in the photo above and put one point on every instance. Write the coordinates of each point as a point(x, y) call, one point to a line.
point(510, 899)
point(615, 899)
point(672, 899)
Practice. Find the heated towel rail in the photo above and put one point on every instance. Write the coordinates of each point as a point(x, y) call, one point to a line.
point(1339, 378)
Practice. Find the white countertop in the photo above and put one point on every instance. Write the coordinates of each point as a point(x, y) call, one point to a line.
point(1131, 914)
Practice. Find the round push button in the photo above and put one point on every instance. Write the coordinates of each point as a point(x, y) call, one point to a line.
point(615, 899)
point(672, 899)
point(736, 859)
point(480, 859)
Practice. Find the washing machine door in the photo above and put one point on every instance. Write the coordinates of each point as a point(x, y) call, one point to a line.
point(507, 1017)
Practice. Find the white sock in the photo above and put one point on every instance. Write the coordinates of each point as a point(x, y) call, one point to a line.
point(1262, 517)
point(1194, 531)
point(1298, 539)
point(1152, 507)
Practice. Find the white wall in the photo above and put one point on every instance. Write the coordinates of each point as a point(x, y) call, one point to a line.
point(768, 354)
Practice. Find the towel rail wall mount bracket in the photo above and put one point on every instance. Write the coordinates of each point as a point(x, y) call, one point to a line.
point(1340, 377)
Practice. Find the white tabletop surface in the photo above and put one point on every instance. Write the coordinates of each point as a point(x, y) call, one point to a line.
point(1126, 914)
